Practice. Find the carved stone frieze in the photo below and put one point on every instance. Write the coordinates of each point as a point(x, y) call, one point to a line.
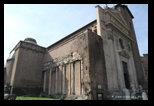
point(94, 29)
point(129, 46)
point(124, 54)
point(109, 34)
point(61, 61)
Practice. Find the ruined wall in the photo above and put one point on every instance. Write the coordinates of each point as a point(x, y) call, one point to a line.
point(69, 63)
point(97, 66)
point(105, 30)
point(27, 76)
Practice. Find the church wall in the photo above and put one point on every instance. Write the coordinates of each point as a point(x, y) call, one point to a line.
point(91, 61)
point(144, 60)
point(97, 70)
point(135, 51)
point(14, 66)
point(111, 28)
point(138, 65)
point(27, 78)
point(8, 72)
point(106, 34)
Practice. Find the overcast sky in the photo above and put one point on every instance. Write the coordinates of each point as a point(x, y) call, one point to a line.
point(48, 23)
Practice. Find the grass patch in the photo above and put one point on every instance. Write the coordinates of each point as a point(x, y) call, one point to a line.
point(34, 98)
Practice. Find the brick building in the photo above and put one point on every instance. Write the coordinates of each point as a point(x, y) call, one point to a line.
point(144, 60)
point(95, 61)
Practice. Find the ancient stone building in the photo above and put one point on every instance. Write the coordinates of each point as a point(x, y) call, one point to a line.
point(144, 60)
point(4, 74)
point(94, 62)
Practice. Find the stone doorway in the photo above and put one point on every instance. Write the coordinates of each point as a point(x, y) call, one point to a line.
point(126, 75)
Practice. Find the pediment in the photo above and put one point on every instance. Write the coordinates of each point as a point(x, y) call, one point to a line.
point(124, 54)
point(118, 15)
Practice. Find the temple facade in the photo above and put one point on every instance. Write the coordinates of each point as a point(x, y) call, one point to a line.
point(94, 62)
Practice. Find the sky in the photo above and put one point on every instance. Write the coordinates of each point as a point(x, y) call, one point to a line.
point(48, 23)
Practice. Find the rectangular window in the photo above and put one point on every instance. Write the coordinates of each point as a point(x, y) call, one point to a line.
point(99, 96)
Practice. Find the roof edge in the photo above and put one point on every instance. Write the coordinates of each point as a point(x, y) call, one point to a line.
point(70, 34)
point(125, 6)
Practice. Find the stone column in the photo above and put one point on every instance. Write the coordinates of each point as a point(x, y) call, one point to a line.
point(113, 63)
point(68, 79)
point(60, 79)
point(110, 61)
point(72, 79)
point(117, 60)
point(77, 77)
point(53, 82)
point(50, 73)
point(63, 80)
point(99, 17)
point(56, 81)
point(44, 81)
point(82, 91)
point(120, 77)
point(133, 69)
point(130, 72)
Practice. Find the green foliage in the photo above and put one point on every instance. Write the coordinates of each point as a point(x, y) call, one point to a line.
point(34, 98)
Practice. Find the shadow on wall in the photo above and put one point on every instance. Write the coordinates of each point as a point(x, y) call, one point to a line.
point(97, 67)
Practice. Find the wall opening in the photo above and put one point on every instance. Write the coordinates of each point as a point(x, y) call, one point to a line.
point(121, 43)
point(99, 96)
point(126, 75)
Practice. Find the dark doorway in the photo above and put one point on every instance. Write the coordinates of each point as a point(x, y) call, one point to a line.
point(126, 75)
